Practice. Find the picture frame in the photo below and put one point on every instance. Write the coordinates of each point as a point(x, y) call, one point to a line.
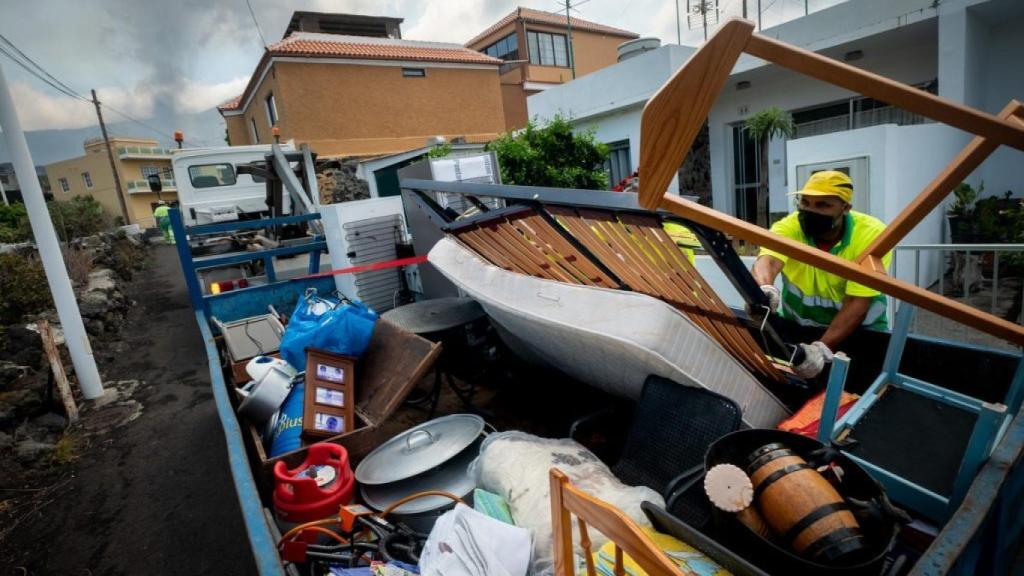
point(329, 398)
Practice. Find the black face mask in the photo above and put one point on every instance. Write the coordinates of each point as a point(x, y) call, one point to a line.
point(817, 225)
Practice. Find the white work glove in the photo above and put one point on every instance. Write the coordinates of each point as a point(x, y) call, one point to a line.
point(816, 355)
point(774, 298)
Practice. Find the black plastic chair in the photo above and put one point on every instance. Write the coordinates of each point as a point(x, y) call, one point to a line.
point(672, 427)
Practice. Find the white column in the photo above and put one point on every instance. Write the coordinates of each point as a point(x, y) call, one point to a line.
point(49, 248)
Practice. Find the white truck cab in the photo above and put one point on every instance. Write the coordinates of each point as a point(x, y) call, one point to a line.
point(210, 189)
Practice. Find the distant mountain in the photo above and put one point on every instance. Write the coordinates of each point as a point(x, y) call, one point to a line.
point(48, 146)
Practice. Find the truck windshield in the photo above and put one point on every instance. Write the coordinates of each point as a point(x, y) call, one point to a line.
point(211, 175)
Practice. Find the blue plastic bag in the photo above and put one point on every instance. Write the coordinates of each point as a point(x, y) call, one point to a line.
point(344, 329)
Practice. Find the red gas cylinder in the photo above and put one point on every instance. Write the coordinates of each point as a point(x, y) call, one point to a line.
point(315, 489)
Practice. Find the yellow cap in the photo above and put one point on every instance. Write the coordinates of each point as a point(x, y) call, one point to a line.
point(828, 183)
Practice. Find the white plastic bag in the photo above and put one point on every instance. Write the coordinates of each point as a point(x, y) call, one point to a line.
point(516, 466)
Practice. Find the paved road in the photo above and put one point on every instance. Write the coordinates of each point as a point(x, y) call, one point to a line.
point(155, 496)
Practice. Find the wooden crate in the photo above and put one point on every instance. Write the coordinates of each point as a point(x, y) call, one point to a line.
point(385, 374)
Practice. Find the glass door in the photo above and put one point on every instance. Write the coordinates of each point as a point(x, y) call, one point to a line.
point(746, 174)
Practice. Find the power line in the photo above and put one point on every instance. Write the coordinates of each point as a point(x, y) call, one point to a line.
point(65, 88)
point(257, 23)
point(40, 73)
point(41, 77)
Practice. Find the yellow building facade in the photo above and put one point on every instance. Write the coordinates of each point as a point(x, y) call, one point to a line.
point(135, 159)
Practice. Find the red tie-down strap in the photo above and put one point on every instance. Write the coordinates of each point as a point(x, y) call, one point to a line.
point(368, 267)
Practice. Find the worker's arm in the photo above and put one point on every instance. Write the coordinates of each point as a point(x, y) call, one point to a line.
point(766, 269)
point(848, 319)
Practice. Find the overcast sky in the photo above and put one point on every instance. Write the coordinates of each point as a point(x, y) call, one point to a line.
point(160, 59)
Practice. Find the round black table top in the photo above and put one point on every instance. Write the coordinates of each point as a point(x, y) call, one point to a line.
point(435, 315)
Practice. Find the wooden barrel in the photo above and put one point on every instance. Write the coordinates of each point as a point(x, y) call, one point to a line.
point(801, 506)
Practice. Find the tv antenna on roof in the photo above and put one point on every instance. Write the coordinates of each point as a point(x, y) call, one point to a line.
point(701, 13)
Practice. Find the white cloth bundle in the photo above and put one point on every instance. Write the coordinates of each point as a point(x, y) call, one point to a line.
point(465, 542)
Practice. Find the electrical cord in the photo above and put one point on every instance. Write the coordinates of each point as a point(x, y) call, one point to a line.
point(317, 525)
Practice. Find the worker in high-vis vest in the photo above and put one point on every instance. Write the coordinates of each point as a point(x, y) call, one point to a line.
point(683, 237)
point(163, 221)
point(811, 296)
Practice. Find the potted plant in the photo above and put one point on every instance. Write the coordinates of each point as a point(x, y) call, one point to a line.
point(772, 122)
point(962, 224)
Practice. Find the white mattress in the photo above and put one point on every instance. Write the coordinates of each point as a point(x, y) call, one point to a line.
point(610, 339)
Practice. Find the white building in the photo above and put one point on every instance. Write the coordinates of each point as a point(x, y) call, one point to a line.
point(965, 50)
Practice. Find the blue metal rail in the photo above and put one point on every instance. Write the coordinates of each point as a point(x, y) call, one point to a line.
point(234, 305)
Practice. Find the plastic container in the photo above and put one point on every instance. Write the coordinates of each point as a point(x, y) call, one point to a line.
point(315, 489)
point(287, 433)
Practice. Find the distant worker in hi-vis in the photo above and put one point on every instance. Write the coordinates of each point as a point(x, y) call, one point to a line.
point(810, 296)
point(163, 220)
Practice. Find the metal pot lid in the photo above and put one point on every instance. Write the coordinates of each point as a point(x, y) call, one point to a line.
point(419, 449)
point(452, 476)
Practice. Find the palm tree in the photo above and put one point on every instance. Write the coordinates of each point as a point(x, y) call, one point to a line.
point(772, 122)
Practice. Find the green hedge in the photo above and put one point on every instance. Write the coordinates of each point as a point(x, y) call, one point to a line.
point(23, 288)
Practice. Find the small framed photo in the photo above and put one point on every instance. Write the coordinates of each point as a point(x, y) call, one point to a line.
point(330, 396)
point(329, 400)
point(332, 423)
point(330, 373)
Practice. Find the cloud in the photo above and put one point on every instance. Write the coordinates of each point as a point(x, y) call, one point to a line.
point(192, 97)
point(39, 110)
point(456, 20)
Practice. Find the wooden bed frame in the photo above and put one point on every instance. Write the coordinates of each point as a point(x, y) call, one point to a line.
point(673, 116)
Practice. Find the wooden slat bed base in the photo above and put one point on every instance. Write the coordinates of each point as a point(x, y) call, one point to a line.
point(527, 244)
point(633, 248)
point(637, 250)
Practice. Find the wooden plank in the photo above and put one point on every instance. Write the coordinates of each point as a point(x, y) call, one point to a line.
point(486, 239)
point(674, 115)
point(515, 241)
point(570, 253)
point(884, 89)
point(958, 169)
point(485, 252)
point(533, 251)
point(561, 525)
point(812, 256)
point(740, 339)
point(59, 376)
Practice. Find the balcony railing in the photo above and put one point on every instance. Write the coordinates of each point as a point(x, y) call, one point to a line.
point(142, 186)
point(143, 151)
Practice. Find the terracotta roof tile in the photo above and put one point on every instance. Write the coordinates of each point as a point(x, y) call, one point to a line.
point(337, 46)
point(232, 104)
point(550, 18)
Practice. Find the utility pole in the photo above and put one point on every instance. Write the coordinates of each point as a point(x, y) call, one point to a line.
point(568, 24)
point(758, 15)
point(113, 166)
point(679, 32)
point(744, 9)
point(49, 248)
point(704, 17)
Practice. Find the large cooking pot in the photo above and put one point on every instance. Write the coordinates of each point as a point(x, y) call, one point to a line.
point(432, 456)
point(879, 531)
